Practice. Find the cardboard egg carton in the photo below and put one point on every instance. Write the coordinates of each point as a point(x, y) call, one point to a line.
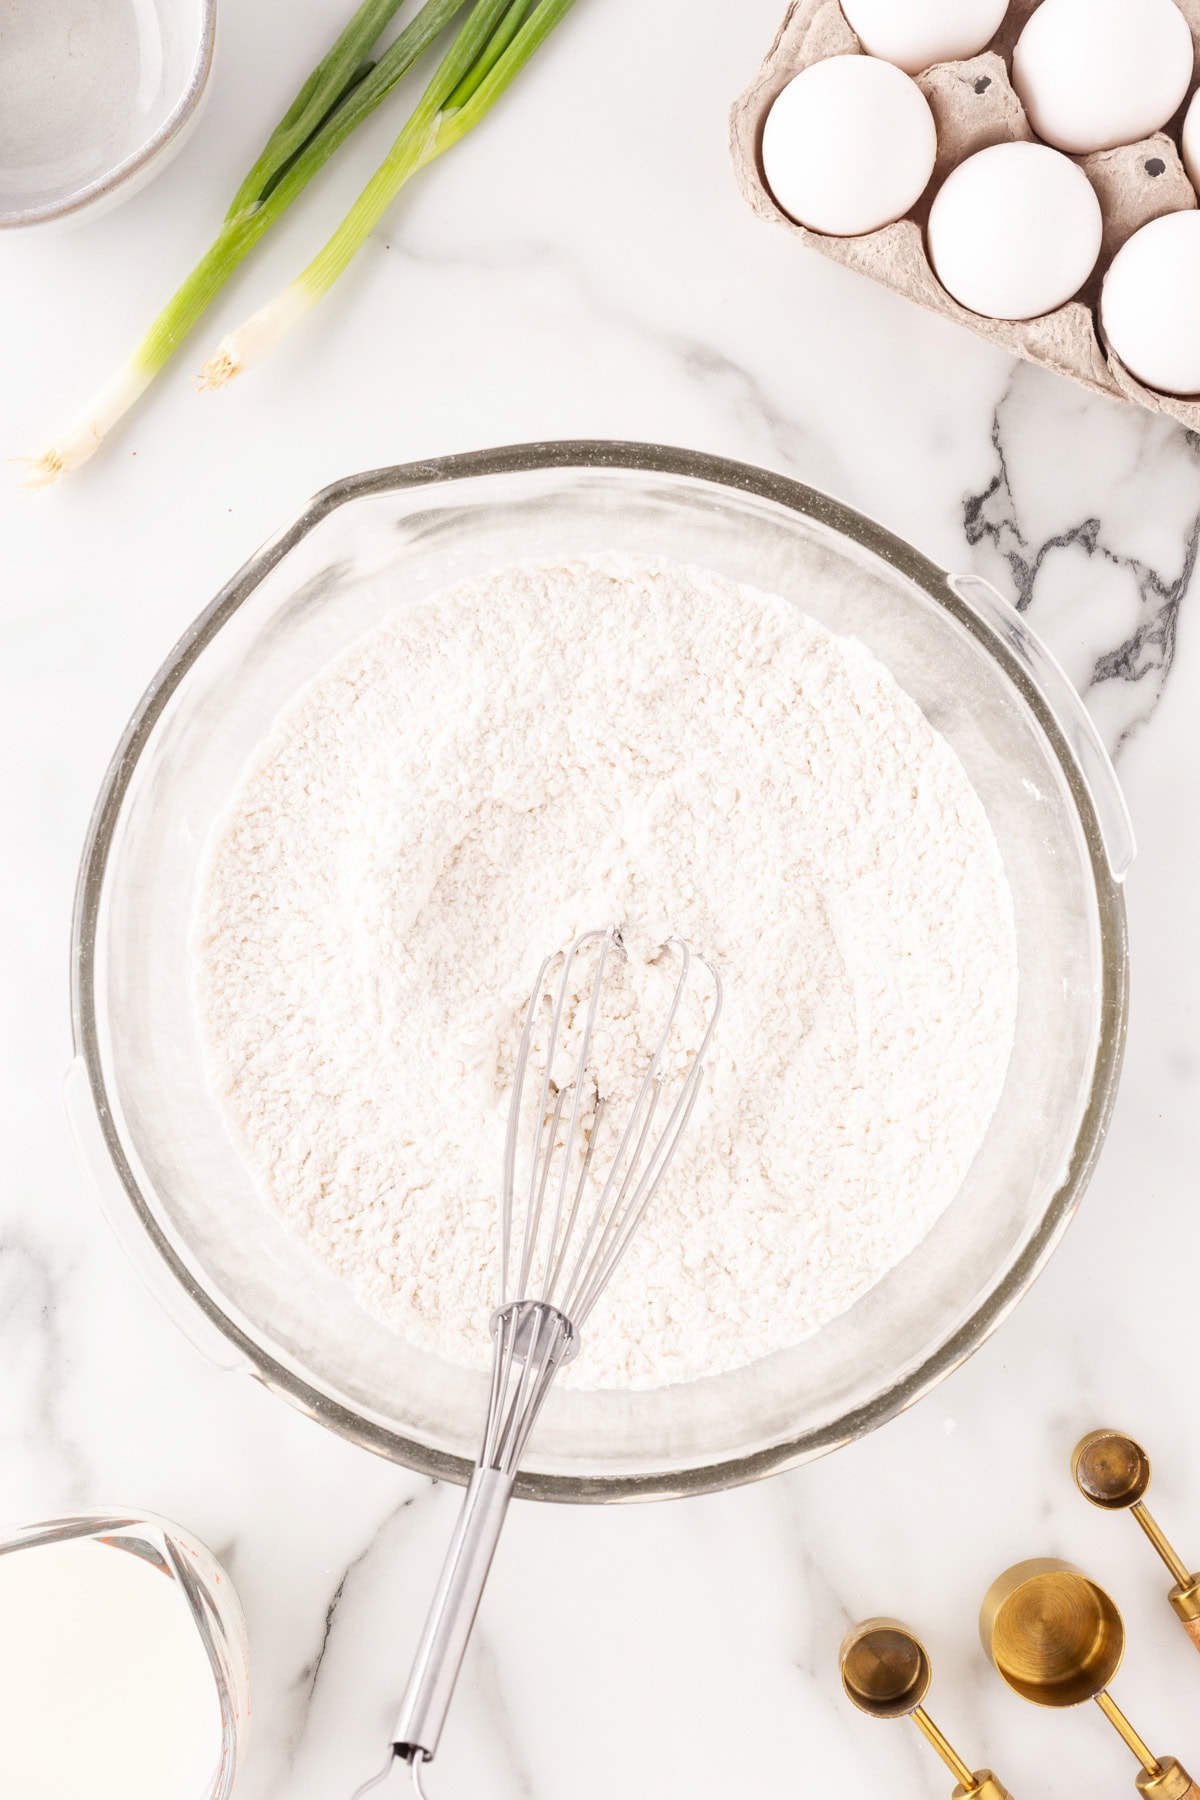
point(974, 105)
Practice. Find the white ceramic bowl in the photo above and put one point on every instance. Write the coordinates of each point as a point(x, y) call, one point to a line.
point(95, 96)
point(153, 1133)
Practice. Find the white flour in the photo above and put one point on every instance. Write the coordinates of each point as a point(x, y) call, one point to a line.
point(544, 750)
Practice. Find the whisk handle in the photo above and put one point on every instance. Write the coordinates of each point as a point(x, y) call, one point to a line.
point(447, 1630)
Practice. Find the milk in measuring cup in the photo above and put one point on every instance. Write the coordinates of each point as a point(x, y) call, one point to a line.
point(107, 1688)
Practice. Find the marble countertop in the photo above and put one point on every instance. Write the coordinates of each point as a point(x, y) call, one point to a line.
point(585, 268)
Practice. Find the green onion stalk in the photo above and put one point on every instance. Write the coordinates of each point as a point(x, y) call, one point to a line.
point(491, 47)
point(342, 91)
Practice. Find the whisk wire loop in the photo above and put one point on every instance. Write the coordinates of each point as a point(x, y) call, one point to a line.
point(607, 939)
point(556, 1267)
point(540, 1166)
point(608, 1207)
point(657, 1166)
point(514, 1120)
point(573, 1278)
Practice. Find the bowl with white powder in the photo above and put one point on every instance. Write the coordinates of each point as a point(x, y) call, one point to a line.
point(97, 99)
point(460, 711)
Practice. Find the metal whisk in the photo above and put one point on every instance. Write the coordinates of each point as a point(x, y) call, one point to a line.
point(565, 1222)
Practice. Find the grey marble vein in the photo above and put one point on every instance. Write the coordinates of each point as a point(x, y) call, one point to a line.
point(32, 1318)
point(304, 1684)
point(715, 370)
point(486, 1670)
point(1146, 654)
point(744, 402)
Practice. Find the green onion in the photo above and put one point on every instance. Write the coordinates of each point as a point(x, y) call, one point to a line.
point(492, 46)
point(340, 93)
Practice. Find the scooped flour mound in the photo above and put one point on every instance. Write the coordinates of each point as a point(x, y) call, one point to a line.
point(548, 749)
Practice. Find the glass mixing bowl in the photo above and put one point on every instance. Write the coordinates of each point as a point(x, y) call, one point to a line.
point(151, 1130)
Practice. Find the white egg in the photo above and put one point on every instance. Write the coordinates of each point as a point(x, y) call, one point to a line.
point(1150, 304)
point(1092, 74)
point(1191, 141)
point(915, 34)
point(849, 145)
point(1014, 231)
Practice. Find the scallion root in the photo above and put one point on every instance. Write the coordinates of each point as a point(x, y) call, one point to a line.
point(72, 448)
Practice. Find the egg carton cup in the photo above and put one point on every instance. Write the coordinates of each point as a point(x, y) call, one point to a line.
point(974, 106)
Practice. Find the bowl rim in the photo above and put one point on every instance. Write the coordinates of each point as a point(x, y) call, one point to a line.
point(139, 162)
point(810, 502)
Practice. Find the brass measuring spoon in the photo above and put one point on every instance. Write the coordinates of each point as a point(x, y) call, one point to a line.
point(1113, 1471)
point(886, 1672)
point(1057, 1639)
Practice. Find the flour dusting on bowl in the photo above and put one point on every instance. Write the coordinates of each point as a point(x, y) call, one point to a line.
point(536, 752)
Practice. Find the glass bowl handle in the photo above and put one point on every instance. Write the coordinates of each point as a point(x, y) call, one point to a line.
point(113, 1202)
point(1078, 726)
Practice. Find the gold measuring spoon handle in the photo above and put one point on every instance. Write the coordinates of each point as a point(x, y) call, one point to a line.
point(944, 1748)
point(1140, 1748)
point(1185, 1595)
point(972, 1784)
point(1154, 1532)
point(1165, 1780)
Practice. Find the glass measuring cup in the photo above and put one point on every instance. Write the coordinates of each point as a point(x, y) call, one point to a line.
point(204, 1592)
